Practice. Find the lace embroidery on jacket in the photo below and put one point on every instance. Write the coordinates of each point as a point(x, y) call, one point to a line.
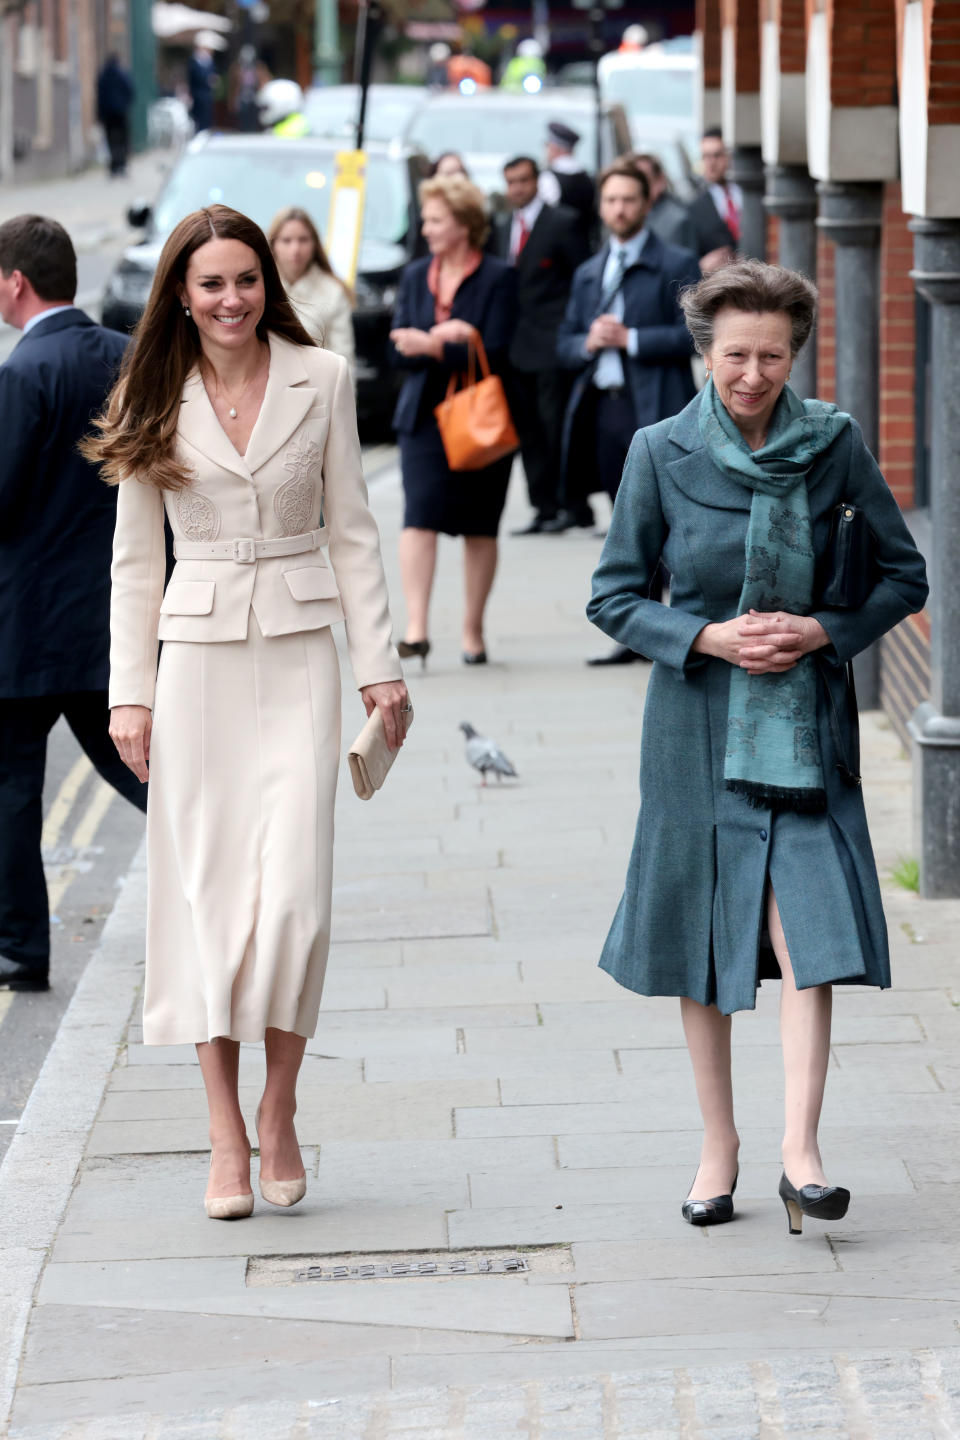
point(293, 502)
point(198, 516)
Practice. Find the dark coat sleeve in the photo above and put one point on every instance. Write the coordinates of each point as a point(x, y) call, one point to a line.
point(672, 341)
point(572, 334)
point(21, 412)
point(618, 604)
point(404, 317)
point(901, 589)
point(496, 326)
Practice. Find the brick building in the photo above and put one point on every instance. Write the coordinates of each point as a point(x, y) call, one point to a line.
point(843, 116)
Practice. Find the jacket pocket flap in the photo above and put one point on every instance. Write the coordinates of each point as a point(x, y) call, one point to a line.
point(188, 597)
point(311, 582)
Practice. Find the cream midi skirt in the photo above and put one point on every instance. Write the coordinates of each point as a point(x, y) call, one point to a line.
point(243, 773)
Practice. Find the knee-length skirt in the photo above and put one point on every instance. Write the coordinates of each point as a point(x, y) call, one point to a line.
point(461, 502)
point(243, 771)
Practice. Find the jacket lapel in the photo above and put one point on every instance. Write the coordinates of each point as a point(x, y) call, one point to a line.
point(198, 426)
point(288, 397)
point(695, 473)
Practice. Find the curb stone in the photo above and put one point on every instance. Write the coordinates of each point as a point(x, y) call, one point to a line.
point(40, 1168)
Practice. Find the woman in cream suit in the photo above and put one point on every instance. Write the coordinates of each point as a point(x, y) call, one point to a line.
point(229, 420)
point(321, 300)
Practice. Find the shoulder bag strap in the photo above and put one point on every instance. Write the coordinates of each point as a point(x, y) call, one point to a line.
point(847, 764)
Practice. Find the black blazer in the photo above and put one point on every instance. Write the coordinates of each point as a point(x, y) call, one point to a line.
point(56, 514)
point(487, 299)
point(554, 249)
point(712, 230)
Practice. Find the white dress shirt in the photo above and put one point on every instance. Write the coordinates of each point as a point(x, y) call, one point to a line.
point(527, 216)
point(609, 374)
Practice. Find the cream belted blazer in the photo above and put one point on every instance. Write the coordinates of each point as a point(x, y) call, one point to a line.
point(302, 466)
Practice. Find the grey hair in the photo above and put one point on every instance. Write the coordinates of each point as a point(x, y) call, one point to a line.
point(757, 289)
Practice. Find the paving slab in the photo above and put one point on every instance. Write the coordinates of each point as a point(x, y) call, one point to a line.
point(477, 1086)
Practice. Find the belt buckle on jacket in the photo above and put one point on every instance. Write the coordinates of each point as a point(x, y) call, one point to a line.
point(245, 551)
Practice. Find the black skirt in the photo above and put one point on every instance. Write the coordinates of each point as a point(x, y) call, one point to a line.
point(461, 502)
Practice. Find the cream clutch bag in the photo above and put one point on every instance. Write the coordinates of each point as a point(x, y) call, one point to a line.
point(370, 757)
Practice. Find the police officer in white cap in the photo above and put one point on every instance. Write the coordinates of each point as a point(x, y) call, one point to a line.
point(564, 180)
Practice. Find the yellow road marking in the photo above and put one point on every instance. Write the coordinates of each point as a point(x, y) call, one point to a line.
point(82, 837)
point(63, 802)
point(102, 799)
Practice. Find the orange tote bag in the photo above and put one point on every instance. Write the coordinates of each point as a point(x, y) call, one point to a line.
point(475, 423)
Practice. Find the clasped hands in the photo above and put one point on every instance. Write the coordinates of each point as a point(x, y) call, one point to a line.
point(606, 333)
point(762, 642)
point(411, 342)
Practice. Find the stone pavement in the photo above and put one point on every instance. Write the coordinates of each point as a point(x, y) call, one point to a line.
point(478, 1091)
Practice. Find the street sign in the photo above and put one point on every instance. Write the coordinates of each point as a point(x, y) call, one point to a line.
point(345, 223)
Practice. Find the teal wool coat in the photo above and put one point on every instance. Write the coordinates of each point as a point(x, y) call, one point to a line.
point(691, 921)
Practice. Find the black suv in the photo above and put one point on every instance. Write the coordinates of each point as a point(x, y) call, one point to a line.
point(259, 175)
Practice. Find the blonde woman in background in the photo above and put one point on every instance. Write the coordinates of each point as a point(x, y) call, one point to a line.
point(321, 300)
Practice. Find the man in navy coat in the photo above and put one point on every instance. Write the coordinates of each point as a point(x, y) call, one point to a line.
point(625, 334)
point(56, 536)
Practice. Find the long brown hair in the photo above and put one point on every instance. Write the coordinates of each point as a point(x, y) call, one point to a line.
point(136, 434)
point(320, 257)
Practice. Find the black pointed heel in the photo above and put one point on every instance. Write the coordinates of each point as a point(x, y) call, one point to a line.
point(478, 657)
point(820, 1202)
point(407, 649)
point(716, 1211)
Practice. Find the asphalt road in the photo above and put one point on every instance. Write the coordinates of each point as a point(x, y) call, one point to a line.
point(90, 836)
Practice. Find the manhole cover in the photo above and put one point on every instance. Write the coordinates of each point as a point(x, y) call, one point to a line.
point(325, 1269)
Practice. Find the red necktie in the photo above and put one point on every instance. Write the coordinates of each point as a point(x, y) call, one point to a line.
point(523, 236)
point(731, 215)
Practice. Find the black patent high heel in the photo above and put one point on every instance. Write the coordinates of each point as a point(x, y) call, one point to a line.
point(407, 649)
point(716, 1211)
point(820, 1202)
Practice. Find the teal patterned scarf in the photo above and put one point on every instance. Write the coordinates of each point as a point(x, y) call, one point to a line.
point(773, 748)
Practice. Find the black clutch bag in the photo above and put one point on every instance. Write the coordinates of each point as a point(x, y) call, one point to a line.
point(847, 571)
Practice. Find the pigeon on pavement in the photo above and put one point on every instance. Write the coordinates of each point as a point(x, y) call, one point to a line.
point(484, 754)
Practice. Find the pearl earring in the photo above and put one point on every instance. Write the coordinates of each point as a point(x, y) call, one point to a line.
point(186, 311)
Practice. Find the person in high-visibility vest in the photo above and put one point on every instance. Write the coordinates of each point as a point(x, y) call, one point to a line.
point(280, 103)
point(526, 71)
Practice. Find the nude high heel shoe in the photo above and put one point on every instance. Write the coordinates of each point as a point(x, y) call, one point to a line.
point(281, 1192)
point(229, 1207)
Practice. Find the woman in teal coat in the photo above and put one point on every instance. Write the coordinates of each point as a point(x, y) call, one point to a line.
point(752, 856)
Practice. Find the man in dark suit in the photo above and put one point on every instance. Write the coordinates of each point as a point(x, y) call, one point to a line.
point(56, 535)
point(624, 333)
point(718, 209)
point(545, 246)
point(695, 227)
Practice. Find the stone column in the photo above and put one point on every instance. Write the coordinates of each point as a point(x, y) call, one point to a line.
point(792, 197)
point(935, 726)
point(851, 215)
point(746, 171)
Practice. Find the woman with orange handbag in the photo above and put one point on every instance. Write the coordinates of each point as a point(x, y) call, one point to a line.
point(444, 299)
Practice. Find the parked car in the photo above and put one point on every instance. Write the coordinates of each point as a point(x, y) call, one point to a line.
point(259, 174)
point(333, 110)
point(490, 126)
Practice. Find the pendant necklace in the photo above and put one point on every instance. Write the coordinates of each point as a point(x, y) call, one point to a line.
point(232, 409)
